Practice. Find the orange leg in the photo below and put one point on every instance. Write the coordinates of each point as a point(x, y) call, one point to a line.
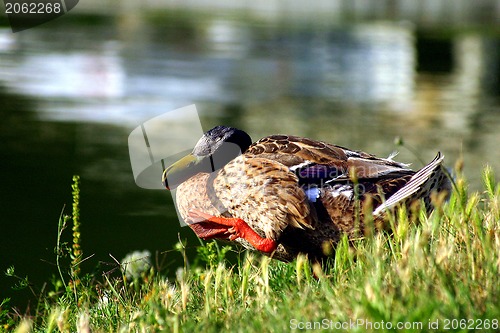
point(237, 229)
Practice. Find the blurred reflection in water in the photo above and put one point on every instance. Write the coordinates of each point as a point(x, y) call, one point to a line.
point(71, 94)
point(237, 64)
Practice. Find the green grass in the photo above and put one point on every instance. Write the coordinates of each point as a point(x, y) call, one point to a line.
point(432, 273)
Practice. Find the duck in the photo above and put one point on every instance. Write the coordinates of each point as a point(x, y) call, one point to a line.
point(286, 195)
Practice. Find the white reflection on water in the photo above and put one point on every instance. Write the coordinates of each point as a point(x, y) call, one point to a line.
point(227, 38)
point(74, 75)
point(363, 65)
point(7, 40)
point(368, 64)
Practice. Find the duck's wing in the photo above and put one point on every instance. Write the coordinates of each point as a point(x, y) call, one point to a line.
point(422, 183)
point(264, 193)
point(318, 162)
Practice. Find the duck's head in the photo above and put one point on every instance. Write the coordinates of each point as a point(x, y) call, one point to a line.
point(215, 149)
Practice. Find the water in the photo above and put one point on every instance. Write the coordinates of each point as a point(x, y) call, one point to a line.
point(72, 92)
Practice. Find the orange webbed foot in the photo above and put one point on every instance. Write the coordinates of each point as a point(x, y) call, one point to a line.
point(235, 228)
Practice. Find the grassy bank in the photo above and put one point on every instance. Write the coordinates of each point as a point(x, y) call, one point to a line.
point(435, 273)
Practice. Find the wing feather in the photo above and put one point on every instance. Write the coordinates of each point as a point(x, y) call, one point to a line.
point(264, 193)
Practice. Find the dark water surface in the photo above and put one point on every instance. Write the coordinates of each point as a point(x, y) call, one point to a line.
point(70, 93)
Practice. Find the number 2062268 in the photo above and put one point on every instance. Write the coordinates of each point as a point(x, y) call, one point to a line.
point(33, 8)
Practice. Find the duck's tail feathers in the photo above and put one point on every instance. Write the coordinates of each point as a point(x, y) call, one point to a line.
point(429, 178)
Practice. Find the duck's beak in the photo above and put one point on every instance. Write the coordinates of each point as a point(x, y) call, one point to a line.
point(182, 170)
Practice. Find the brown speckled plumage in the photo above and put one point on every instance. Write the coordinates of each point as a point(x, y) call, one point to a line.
point(304, 193)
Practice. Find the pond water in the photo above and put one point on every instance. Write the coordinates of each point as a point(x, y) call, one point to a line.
point(71, 92)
